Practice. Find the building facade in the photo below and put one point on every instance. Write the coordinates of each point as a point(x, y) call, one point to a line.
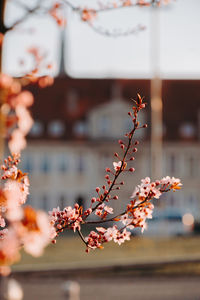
point(77, 125)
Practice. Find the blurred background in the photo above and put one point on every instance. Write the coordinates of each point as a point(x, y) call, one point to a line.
point(79, 119)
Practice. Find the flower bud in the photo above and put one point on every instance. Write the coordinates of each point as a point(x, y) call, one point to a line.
point(93, 200)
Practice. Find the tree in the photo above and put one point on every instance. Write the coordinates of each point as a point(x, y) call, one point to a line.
point(22, 225)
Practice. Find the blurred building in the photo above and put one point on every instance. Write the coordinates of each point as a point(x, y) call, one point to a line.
point(77, 125)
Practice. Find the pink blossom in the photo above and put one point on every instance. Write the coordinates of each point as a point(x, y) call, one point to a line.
point(9, 248)
point(17, 141)
point(108, 209)
point(5, 81)
point(122, 237)
point(146, 181)
point(117, 165)
point(111, 233)
point(25, 122)
point(33, 230)
point(2, 222)
point(3, 233)
point(101, 229)
point(11, 172)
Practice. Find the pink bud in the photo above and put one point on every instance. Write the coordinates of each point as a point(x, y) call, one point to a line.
point(115, 197)
point(132, 158)
point(131, 169)
point(97, 189)
point(93, 200)
point(89, 211)
point(145, 126)
point(107, 177)
point(107, 169)
point(135, 150)
point(120, 142)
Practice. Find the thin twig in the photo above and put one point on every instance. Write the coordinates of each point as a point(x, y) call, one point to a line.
point(82, 237)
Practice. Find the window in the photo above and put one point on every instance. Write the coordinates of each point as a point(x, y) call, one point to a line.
point(193, 165)
point(37, 129)
point(44, 203)
point(45, 164)
point(104, 125)
point(81, 164)
point(187, 130)
point(28, 164)
point(128, 125)
point(80, 128)
point(56, 128)
point(63, 163)
point(62, 202)
point(172, 163)
point(72, 101)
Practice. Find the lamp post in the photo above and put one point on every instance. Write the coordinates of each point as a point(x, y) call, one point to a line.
point(156, 97)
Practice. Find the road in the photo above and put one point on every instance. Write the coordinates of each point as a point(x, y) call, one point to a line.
point(136, 288)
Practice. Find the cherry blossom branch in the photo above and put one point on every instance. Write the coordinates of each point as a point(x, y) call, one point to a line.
point(29, 11)
point(116, 32)
point(122, 164)
point(124, 212)
point(104, 8)
point(137, 211)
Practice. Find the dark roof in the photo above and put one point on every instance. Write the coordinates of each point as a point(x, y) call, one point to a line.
point(181, 101)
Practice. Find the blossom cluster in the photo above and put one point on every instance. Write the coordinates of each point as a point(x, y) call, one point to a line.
point(67, 218)
point(137, 211)
point(16, 118)
point(20, 225)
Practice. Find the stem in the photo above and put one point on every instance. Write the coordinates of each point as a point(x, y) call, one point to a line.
point(120, 170)
point(124, 212)
point(113, 218)
point(79, 9)
point(82, 237)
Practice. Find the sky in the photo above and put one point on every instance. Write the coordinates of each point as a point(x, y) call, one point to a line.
point(169, 46)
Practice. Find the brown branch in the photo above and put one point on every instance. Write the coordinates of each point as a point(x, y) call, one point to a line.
point(80, 9)
point(124, 212)
point(118, 172)
point(115, 33)
point(29, 11)
point(82, 237)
